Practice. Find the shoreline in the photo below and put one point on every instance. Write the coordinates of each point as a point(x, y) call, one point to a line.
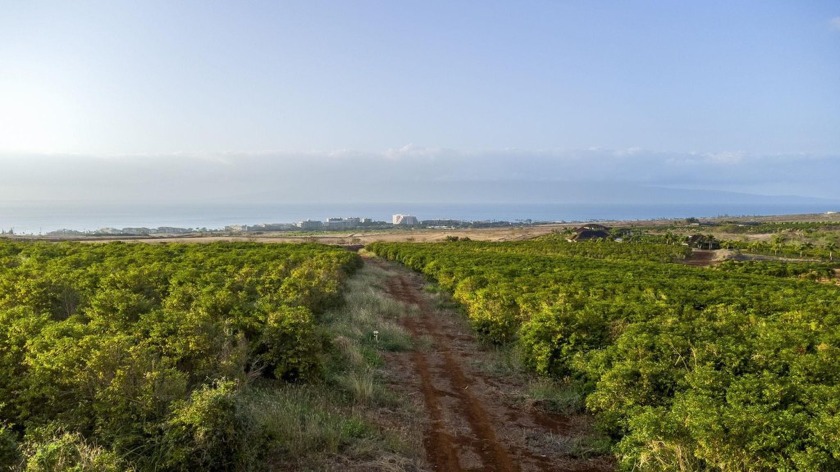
point(513, 232)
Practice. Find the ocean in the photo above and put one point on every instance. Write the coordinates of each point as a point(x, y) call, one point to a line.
point(40, 218)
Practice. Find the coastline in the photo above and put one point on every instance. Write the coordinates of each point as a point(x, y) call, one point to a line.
point(513, 232)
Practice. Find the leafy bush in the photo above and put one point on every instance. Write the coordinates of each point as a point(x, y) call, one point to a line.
point(65, 451)
point(209, 432)
point(9, 452)
point(553, 336)
point(289, 345)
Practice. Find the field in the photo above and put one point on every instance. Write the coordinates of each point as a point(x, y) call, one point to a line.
point(432, 350)
point(167, 357)
point(723, 227)
point(730, 367)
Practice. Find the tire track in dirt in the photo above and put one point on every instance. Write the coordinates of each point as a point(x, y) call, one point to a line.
point(472, 424)
point(440, 445)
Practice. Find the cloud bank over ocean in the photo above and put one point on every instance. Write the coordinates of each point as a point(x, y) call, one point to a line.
point(413, 173)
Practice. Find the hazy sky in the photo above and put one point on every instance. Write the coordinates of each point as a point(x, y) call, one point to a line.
point(735, 95)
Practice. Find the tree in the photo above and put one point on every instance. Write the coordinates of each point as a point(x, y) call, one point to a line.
point(831, 247)
point(777, 242)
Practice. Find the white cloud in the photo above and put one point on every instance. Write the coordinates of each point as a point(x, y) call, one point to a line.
point(410, 151)
point(835, 23)
point(629, 152)
point(727, 157)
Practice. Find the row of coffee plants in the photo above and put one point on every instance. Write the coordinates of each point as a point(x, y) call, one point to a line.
point(806, 270)
point(135, 356)
point(686, 368)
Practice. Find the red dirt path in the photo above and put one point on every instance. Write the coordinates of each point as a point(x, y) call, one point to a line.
point(474, 420)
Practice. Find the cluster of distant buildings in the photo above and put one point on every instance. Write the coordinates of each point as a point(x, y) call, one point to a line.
point(305, 225)
point(334, 223)
point(162, 230)
point(397, 220)
point(329, 224)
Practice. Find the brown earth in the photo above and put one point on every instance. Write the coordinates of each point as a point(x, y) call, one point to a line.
point(476, 420)
point(342, 238)
point(700, 258)
point(705, 258)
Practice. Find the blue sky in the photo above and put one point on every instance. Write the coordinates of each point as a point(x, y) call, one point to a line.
point(561, 88)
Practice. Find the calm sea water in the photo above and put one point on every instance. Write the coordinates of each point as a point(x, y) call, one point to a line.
point(42, 218)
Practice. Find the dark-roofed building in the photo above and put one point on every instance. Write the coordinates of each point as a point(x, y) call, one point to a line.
point(590, 232)
point(701, 241)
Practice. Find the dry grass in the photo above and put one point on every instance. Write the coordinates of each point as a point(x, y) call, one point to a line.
point(364, 329)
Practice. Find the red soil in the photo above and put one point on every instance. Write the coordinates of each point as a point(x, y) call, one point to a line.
point(474, 420)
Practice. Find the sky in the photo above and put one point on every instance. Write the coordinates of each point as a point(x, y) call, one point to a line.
point(277, 100)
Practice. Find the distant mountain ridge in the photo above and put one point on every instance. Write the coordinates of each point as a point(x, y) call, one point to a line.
point(536, 192)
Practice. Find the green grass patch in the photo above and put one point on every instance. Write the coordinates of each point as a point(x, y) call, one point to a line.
point(557, 396)
point(302, 420)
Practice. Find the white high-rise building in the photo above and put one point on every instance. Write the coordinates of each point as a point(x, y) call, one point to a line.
point(404, 220)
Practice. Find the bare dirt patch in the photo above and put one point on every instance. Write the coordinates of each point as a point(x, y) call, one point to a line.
point(474, 421)
point(515, 233)
point(700, 258)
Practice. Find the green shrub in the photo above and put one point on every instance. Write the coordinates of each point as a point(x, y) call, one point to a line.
point(289, 345)
point(494, 318)
point(9, 451)
point(65, 451)
point(556, 333)
point(208, 432)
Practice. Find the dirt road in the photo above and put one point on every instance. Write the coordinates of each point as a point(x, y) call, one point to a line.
point(476, 421)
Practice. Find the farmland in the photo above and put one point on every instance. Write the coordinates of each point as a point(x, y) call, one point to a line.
point(450, 354)
point(684, 367)
point(166, 357)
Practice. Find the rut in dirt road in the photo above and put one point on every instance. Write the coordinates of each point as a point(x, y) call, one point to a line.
point(441, 447)
point(471, 427)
